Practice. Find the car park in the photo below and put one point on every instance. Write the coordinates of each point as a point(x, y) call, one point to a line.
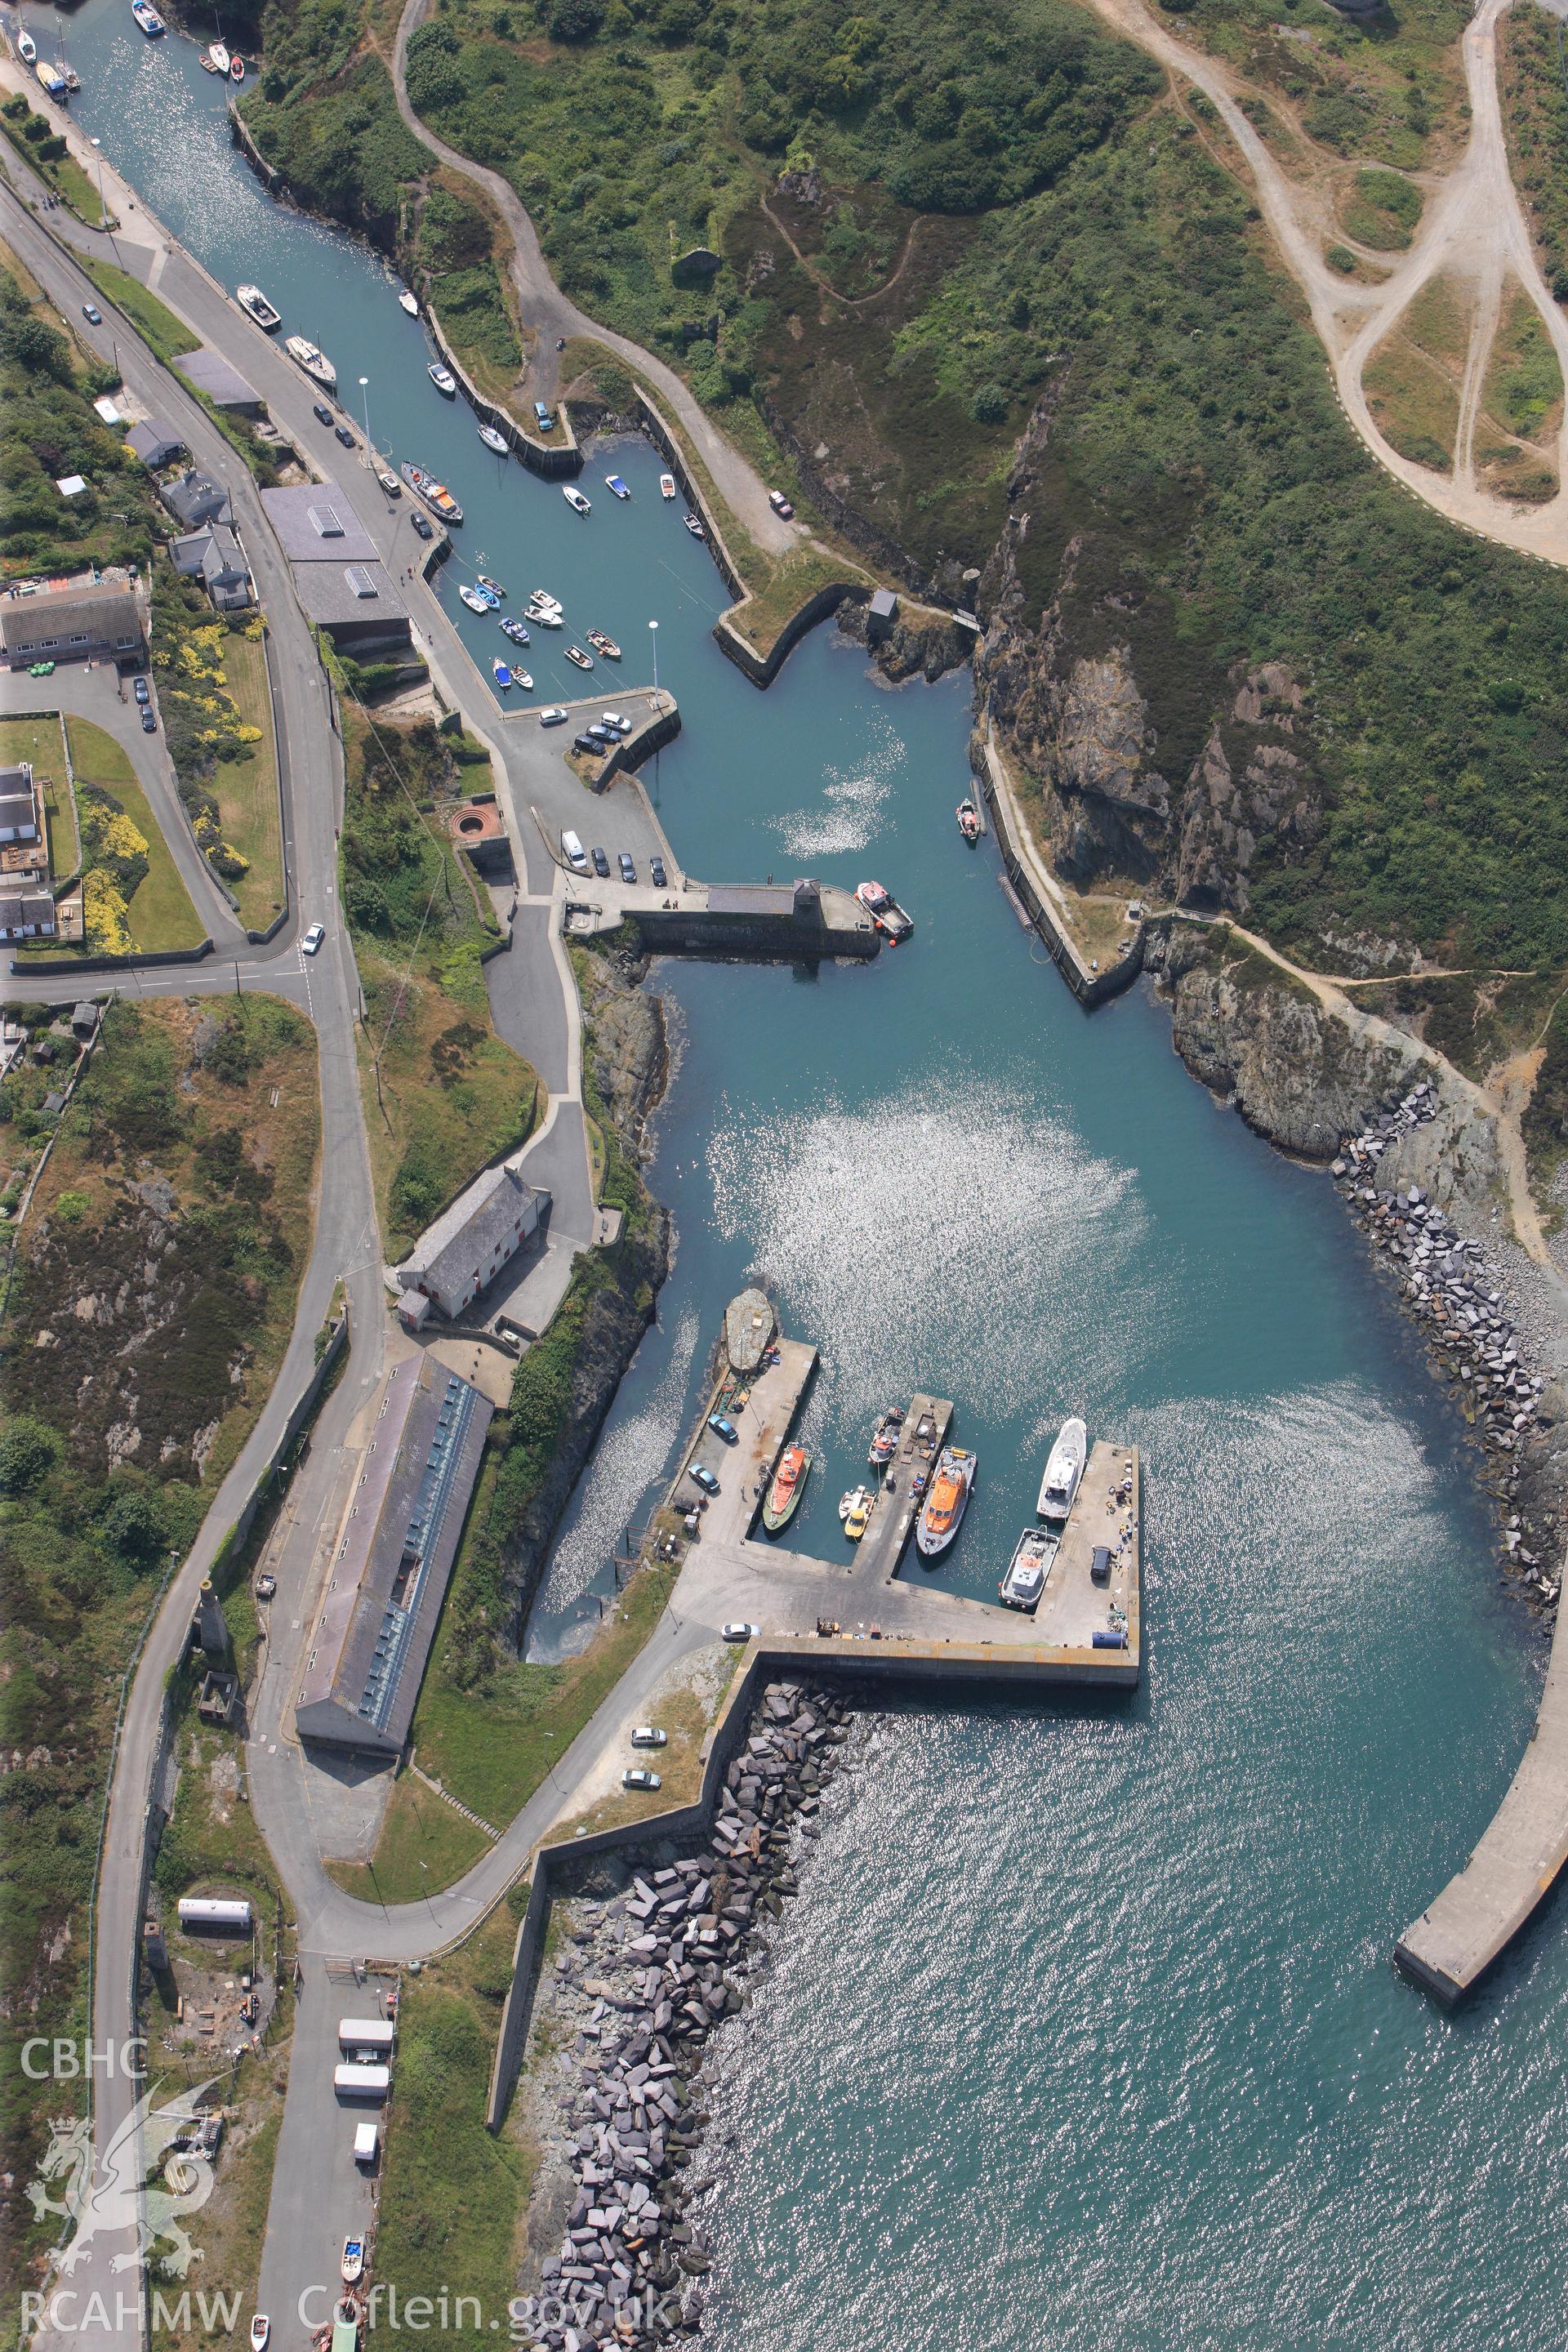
point(149, 724)
point(704, 1477)
point(321, 412)
point(552, 715)
point(310, 943)
point(647, 1735)
point(423, 530)
point(628, 868)
point(724, 1427)
point(343, 434)
point(639, 1777)
point(601, 864)
point(660, 879)
point(737, 1630)
point(142, 690)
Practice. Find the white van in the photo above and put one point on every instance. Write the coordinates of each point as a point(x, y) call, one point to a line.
point(572, 849)
point(367, 2139)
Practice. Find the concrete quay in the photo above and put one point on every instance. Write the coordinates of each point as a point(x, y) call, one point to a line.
point(902, 1624)
point(1520, 1856)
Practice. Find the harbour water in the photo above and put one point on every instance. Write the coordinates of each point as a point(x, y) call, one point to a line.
point(1083, 2030)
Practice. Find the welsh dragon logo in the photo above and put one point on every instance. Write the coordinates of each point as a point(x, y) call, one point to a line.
point(125, 2191)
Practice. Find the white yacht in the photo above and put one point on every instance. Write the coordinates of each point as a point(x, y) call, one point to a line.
point(315, 363)
point(1063, 1470)
point(1025, 1583)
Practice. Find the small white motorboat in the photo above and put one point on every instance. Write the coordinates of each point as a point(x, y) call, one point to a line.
point(616, 487)
point(667, 486)
point(444, 382)
point(1063, 1470)
point(406, 301)
point(493, 440)
point(26, 49)
point(473, 600)
point(574, 498)
point(252, 299)
point(260, 2331)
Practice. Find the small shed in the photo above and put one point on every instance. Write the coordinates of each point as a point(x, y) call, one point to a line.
point(84, 1020)
point(883, 612)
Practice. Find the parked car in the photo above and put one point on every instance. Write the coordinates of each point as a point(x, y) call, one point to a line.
point(552, 715)
point(572, 849)
point(640, 1777)
point(341, 432)
point(724, 1427)
point(92, 314)
point(423, 530)
point(266, 1585)
point(602, 736)
point(586, 743)
point(647, 1735)
point(545, 419)
point(737, 1630)
point(149, 724)
point(660, 879)
point(601, 864)
point(629, 870)
point(780, 504)
point(321, 413)
point(615, 722)
point(140, 689)
point(704, 1477)
point(311, 943)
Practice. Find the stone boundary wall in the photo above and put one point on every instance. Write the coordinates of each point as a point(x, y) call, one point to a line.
point(762, 668)
point(540, 457)
point(629, 754)
point(1090, 988)
point(139, 961)
point(657, 427)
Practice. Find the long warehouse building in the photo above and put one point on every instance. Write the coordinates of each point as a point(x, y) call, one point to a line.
point(394, 1557)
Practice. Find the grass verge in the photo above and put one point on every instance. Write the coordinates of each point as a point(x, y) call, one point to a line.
point(157, 913)
point(423, 1845)
point(246, 789)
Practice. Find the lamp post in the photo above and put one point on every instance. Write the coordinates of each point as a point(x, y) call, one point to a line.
point(364, 388)
point(653, 631)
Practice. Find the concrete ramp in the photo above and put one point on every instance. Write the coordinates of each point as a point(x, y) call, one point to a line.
point(1453, 1944)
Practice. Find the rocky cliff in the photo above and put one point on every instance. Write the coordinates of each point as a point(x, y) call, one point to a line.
point(1159, 766)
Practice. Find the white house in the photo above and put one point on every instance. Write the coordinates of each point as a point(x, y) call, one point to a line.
point(461, 1254)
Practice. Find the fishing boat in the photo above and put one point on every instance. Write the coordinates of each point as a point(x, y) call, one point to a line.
point(693, 526)
point(493, 588)
point(854, 1510)
point(406, 301)
point(473, 600)
point(1025, 1583)
point(493, 440)
point(353, 2260)
point(315, 363)
point(886, 1435)
point(515, 631)
point(252, 299)
point(26, 47)
point(52, 81)
point(884, 910)
point(435, 495)
point(1063, 1470)
point(260, 2332)
point(575, 654)
point(616, 487)
point(783, 1498)
point(574, 498)
point(237, 68)
point(943, 1511)
point(216, 59)
point(968, 819)
point(152, 24)
point(667, 486)
point(501, 672)
point(602, 645)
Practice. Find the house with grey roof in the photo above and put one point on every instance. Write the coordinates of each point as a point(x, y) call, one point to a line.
point(155, 443)
point(461, 1254)
point(26, 915)
point(94, 620)
point(214, 557)
point(366, 1652)
point(224, 385)
point(193, 501)
point(20, 818)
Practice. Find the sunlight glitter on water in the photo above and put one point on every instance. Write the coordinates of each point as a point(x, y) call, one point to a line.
point(850, 812)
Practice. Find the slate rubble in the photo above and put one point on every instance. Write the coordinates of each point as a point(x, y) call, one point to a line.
point(646, 1977)
point(1453, 1290)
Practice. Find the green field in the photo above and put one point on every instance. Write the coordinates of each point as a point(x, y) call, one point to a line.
point(158, 910)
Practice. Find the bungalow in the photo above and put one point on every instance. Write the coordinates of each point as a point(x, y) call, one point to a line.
point(18, 805)
point(155, 443)
point(98, 621)
point(214, 557)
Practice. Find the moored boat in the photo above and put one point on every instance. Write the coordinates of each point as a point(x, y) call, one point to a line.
point(406, 302)
point(52, 81)
point(218, 58)
point(493, 440)
point(26, 47)
point(515, 631)
point(1063, 1470)
point(854, 1510)
point(946, 1500)
point(575, 654)
point(574, 498)
point(473, 600)
point(152, 24)
point(523, 679)
point(1024, 1585)
point(693, 526)
point(968, 819)
point(252, 299)
point(444, 382)
point(501, 672)
point(788, 1486)
point(237, 68)
point(667, 486)
point(312, 359)
point(884, 910)
point(544, 616)
point(886, 1435)
point(616, 487)
point(493, 588)
point(435, 495)
point(602, 645)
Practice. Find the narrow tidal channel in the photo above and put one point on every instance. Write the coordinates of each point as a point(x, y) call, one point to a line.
point(1083, 2031)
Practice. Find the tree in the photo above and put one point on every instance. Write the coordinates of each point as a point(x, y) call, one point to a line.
point(135, 1526)
point(29, 1452)
point(575, 20)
